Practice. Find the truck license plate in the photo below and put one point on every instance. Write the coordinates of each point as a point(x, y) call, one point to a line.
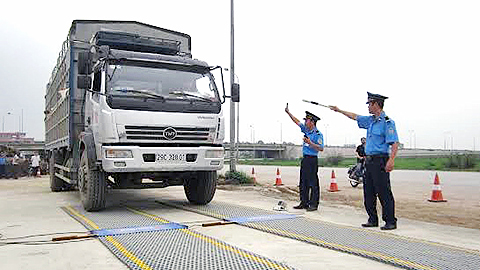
point(170, 157)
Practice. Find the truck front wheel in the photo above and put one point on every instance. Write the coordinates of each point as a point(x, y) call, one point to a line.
point(92, 185)
point(201, 187)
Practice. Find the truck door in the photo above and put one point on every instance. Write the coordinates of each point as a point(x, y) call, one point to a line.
point(92, 109)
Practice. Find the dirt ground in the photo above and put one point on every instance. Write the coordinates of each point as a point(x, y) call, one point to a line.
point(461, 213)
point(457, 212)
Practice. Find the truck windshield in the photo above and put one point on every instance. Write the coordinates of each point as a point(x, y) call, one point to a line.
point(160, 83)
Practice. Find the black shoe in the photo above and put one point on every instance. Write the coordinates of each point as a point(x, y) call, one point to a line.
point(389, 227)
point(312, 208)
point(300, 206)
point(369, 224)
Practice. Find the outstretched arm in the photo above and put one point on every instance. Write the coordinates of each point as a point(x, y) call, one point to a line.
point(350, 115)
point(294, 119)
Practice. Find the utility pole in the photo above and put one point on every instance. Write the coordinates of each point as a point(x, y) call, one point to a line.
point(238, 131)
point(232, 104)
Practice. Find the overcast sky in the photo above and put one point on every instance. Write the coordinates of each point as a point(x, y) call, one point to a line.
point(423, 55)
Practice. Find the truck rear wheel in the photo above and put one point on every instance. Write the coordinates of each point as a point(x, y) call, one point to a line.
point(201, 188)
point(92, 185)
point(56, 184)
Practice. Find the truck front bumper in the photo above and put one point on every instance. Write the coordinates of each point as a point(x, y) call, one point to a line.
point(161, 159)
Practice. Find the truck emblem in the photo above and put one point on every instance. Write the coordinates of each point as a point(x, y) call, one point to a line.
point(169, 133)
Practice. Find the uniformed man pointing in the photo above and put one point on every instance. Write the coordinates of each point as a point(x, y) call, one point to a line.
point(381, 149)
point(312, 144)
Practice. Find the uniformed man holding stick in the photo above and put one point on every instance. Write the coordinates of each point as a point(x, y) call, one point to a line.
point(381, 136)
point(312, 144)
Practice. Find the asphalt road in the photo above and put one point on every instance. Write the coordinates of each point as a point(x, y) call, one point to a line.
point(462, 186)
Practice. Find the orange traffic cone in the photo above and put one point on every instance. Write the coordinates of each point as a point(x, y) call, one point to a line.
point(333, 183)
point(254, 176)
point(437, 191)
point(278, 181)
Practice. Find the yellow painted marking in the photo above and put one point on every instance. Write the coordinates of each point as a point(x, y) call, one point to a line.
point(406, 238)
point(232, 249)
point(82, 217)
point(114, 242)
point(414, 240)
point(147, 215)
point(128, 254)
point(350, 249)
point(215, 242)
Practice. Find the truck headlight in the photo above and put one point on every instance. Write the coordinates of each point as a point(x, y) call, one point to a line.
point(116, 153)
point(214, 154)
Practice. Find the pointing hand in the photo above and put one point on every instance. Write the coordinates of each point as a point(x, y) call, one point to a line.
point(334, 108)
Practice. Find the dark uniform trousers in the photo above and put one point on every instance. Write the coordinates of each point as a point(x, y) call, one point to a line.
point(377, 182)
point(2, 171)
point(309, 189)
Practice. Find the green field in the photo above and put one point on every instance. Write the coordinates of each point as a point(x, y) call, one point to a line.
point(451, 163)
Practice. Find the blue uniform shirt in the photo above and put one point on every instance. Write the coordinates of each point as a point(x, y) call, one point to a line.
point(381, 133)
point(315, 136)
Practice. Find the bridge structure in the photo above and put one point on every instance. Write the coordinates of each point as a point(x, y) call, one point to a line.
point(277, 151)
point(255, 150)
point(27, 147)
point(290, 151)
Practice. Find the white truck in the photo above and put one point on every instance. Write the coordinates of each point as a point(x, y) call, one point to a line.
point(127, 107)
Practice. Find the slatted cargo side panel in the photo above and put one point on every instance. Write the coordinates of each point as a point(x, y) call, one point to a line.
point(64, 101)
point(57, 101)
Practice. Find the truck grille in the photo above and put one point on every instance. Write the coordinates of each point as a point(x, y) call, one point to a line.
point(175, 134)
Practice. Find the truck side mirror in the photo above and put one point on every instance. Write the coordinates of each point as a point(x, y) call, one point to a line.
point(84, 63)
point(84, 82)
point(236, 92)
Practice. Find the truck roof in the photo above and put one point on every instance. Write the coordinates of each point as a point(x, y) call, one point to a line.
point(84, 30)
point(129, 55)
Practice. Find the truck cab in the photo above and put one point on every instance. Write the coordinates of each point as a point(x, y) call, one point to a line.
point(151, 116)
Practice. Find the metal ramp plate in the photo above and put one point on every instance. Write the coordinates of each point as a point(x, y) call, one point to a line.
point(145, 241)
point(397, 250)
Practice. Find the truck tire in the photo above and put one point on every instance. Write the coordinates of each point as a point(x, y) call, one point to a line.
point(91, 184)
point(201, 188)
point(56, 184)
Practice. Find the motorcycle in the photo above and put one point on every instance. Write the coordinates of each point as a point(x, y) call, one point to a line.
point(356, 174)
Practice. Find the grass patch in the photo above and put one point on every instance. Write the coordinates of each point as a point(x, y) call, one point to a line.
point(272, 162)
point(420, 163)
point(238, 177)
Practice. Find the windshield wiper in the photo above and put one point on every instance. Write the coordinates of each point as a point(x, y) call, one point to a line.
point(110, 77)
point(182, 93)
point(143, 92)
